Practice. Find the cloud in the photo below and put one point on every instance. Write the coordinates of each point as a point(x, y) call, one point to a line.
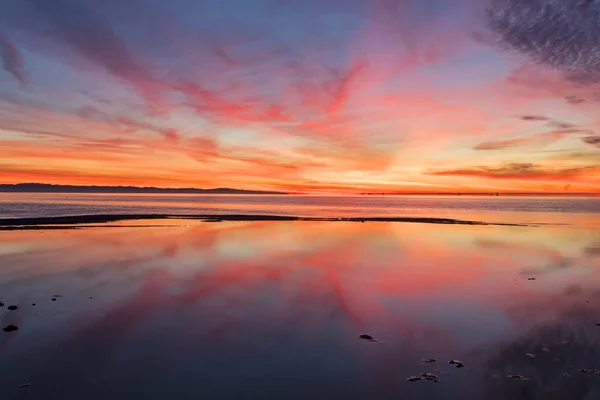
point(521, 171)
point(592, 140)
point(76, 25)
point(12, 59)
point(561, 34)
point(534, 118)
point(534, 140)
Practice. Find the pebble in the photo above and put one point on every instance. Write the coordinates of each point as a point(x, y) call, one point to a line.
point(457, 363)
point(10, 328)
point(428, 376)
point(368, 337)
point(590, 371)
point(12, 308)
point(517, 377)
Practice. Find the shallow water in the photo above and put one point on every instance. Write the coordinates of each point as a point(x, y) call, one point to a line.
point(272, 310)
point(563, 210)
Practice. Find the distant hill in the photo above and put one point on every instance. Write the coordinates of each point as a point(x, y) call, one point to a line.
point(47, 188)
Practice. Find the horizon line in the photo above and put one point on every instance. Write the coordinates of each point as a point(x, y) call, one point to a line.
point(134, 188)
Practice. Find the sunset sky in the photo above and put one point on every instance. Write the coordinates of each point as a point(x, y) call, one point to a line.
point(311, 96)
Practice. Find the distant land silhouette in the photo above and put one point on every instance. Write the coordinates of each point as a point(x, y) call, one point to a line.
point(48, 188)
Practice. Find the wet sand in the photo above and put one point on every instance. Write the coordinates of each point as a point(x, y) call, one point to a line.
point(71, 222)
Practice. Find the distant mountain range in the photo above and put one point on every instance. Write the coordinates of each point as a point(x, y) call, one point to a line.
point(47, 188)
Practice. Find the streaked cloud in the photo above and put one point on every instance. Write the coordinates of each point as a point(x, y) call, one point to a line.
point(524, 171)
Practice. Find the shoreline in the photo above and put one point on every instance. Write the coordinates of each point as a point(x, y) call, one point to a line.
point(82, 221)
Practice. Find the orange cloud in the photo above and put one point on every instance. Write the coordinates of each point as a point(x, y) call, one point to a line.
point(524, 171)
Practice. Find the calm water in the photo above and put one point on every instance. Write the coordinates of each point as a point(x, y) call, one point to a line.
point(494, 209)
point(272, 310)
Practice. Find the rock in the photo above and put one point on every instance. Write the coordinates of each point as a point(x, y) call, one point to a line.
point(598, 324)
point(530, 355)
point(531, 279)
point(10, 328)
point(413, 378)
point(517, 377)
point(53, 299)
point(33, 304)
point(25, 385)
point(590, 371)
point(428, 360)
point(546, 350)
point(368, 337)
point(428, 376)
point(12, 308)
point(2, 305)
point(457, 363)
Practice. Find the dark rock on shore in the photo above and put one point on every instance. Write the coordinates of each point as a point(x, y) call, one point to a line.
point(10, 328)
point(12, 308)
point(517, 377)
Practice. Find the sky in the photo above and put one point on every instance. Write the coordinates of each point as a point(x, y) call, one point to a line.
point(311, 96)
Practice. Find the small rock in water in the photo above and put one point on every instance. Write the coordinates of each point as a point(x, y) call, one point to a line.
point(2, 305)
point(25, 385)
point(546, 350)
point(590, 371)
point(597, 324)
point(428, 360)
point(517, 377)
point(10, 328)
point(428, 376)
point(53, 299)
point(531, 279)
point(33, 304)
point(12, 308)
point(413, 378)
point(368, 337)
point(530, 355)
point(457, 363)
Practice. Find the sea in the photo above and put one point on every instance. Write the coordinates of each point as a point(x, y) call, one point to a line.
point(191, 309)
point(498, 209)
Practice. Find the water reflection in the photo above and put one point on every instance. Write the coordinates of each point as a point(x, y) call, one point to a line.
point(273, 310)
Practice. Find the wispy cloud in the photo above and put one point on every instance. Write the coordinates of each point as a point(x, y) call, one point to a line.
point(592, 140)
point(534, 118)
point(562, 34)
point(521, 171)
point(539, 140)
point(12, 59)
